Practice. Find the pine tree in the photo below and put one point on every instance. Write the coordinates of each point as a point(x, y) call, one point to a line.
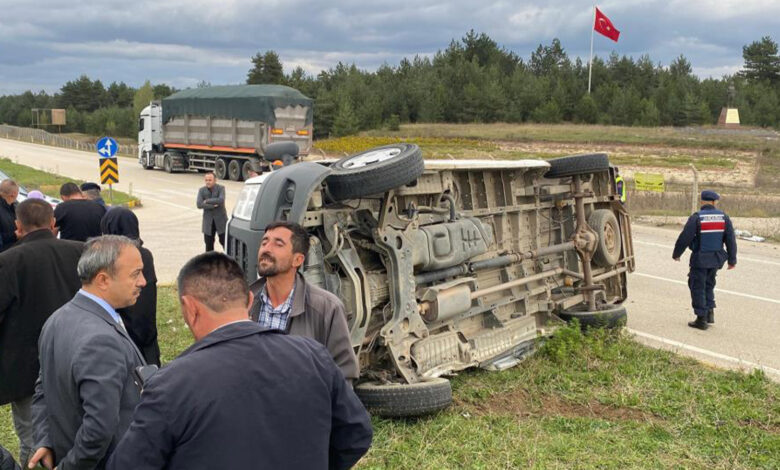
point(762, 62)
point(346, 121)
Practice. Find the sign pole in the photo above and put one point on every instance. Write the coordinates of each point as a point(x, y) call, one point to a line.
point(590, 62)
point(111, 194)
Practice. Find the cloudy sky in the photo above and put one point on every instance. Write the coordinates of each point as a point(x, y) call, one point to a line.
point(44, 43)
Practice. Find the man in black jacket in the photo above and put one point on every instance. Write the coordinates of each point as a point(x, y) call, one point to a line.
point(9, 191)
point(77, 217)
point(39, 276)
point(242, 396)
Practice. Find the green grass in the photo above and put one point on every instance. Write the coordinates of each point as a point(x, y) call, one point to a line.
point(702, 137)
point(596, 400)
point(49, 183)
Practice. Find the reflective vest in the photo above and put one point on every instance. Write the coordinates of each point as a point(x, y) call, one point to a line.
point(621, 188)
point(712, 227)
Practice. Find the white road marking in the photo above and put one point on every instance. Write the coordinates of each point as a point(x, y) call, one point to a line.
point(145, 198)
point(169, 181)
point(706, 352)
point(739, 258)
point(724, 291)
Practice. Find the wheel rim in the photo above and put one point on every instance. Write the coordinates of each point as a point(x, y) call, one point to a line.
point(220, 169)
point(371, 157)
point(610, 238)
point(168, 163)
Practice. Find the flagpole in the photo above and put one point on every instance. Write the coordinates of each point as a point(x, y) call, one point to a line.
point(590, 62)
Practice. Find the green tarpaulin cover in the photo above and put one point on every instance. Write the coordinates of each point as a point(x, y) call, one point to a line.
point(245, 102)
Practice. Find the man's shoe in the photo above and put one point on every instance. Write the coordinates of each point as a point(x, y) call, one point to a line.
point(711, 316)
point(699, 323)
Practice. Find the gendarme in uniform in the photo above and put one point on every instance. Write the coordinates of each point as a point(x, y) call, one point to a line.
point(706, 233)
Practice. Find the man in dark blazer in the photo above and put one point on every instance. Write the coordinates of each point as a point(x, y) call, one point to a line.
point(9, 191)
point(242, 396)
point(38, 277)
point(211, 198)
point(140, 319)
point(85, 393)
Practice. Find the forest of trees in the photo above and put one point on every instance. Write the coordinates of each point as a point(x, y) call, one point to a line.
point(473, 80)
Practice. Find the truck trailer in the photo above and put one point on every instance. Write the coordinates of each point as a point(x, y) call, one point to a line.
point(224, 129)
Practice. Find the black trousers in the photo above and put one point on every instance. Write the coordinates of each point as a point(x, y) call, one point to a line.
point(209, 239)
point(701, 282)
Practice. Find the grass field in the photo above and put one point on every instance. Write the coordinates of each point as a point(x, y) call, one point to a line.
point(48, 182)
point(688, 137)
point(584, 401)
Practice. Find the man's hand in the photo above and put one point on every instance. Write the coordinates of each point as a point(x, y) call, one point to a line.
point(676, 259)
point(45, 456)
point(732, 266)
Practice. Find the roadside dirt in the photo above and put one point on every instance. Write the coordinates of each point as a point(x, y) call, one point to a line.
point(519, 403)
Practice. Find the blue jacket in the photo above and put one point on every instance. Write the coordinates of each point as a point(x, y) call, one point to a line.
point(705, 233)
point(247, 397)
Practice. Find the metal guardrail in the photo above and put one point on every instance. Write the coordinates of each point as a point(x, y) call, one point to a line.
point(39, 136)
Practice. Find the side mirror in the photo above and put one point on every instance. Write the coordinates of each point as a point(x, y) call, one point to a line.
point(284, 151)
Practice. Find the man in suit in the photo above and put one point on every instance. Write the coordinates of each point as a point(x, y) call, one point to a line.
point(85, 393)
point(211, 198)
point(9, 191)
point(77, 217)
point(39, 276)
point(242, 396)
point(140, 319)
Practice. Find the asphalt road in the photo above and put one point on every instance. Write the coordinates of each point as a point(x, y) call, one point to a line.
point(745, 335)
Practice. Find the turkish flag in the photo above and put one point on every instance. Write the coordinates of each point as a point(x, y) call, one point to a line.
point(605, 27)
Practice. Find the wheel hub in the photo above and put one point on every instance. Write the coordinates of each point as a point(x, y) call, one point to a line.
point(371, 157)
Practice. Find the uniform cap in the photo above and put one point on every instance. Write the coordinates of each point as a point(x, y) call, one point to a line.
point(88, 186)
point(709, 196)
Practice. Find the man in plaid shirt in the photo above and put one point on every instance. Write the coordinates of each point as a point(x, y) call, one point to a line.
point(285, 301)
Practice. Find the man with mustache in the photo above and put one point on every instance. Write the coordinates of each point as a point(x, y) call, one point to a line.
point(85, 393)
point(285, 301)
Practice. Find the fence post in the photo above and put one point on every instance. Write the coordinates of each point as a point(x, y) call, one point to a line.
point(695, 192)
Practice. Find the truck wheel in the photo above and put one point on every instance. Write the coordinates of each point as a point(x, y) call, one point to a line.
point(145, 161)
point(605, 224)
point(577, 165)
point(245, 168)
point(400, 400)
point(220, 168)
point(234, 170)
point(375, 171)
point(168, 164)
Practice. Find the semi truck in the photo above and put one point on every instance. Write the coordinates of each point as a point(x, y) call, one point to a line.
point(224, 129)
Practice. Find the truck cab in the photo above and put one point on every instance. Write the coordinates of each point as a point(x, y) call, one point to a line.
point(149, 133)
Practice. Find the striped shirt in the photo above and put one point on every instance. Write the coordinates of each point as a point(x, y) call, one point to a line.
point(274, 318)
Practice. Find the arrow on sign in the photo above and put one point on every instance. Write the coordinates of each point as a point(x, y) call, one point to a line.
point(106, 150)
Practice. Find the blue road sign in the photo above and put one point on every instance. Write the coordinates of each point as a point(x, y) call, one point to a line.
point(106, 147)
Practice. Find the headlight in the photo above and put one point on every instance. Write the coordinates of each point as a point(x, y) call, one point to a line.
point(246, 202)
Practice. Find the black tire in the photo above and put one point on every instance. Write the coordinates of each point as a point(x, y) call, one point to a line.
point(245, 168)
point(145, 161)
point(353, 177)
point(608, 247)
point(220, 168)
point(397, 400)
point(168, 164)
point(606, 316)
point(577, 165)
point(234, 170)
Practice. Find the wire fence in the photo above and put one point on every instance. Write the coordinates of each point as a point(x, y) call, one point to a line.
point(39, 136)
